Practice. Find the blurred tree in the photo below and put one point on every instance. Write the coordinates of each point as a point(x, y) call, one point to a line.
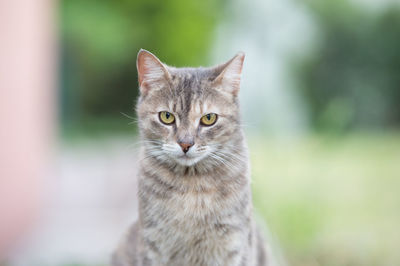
point(352, 78)
point(100, 40)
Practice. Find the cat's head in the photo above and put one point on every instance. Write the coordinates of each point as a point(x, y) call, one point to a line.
point(189, 115)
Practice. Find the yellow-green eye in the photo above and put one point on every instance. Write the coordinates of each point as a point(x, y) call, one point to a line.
point(208, 119)
point(166, 117)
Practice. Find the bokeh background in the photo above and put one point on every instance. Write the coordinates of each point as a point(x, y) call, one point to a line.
point(321, 108)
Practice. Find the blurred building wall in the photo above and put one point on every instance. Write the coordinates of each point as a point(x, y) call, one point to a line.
point(27, 113)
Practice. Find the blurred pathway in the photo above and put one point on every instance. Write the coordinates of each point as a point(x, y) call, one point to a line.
point(91, 201)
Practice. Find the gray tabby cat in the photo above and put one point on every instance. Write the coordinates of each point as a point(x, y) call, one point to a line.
point(195, 205)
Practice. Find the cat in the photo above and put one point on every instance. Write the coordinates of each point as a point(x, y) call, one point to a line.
point(195, 203)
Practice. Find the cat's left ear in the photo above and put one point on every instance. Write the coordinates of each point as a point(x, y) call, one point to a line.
point(229, 74)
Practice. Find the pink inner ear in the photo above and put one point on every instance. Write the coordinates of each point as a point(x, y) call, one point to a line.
point(141, 68)
point(149, 67)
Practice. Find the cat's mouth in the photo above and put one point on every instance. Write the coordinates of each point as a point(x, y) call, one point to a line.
point(188, 160)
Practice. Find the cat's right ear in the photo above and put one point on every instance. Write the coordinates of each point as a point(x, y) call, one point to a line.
point(152, 73)
point(229, 74)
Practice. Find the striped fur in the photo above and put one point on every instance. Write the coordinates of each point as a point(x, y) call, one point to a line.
point(193, 210)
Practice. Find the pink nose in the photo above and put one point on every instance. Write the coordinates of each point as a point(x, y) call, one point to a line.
point(185, 146)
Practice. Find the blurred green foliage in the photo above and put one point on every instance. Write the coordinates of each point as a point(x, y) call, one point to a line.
point(100, 40)
point(352, 78)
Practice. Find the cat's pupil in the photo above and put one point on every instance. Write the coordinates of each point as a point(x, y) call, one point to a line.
point(167, 115)
point(208, 117)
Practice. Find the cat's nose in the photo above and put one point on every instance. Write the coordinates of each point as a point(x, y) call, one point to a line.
point(185, 145)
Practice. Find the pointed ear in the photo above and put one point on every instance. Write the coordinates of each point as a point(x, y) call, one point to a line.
point(229, 74)
point(151, 72)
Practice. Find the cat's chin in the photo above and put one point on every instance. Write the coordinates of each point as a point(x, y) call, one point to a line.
point(188, 161)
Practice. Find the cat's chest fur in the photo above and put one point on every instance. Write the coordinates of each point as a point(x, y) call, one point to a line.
point(202, 224)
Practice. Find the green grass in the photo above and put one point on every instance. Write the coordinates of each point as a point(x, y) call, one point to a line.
point(331, 201)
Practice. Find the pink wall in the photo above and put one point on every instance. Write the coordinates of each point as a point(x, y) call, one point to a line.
point(27, 113)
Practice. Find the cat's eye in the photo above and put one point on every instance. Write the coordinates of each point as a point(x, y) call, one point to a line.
point(208, 119)
point(166, 117)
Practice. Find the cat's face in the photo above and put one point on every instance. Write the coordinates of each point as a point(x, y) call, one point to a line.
point(188, 115)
